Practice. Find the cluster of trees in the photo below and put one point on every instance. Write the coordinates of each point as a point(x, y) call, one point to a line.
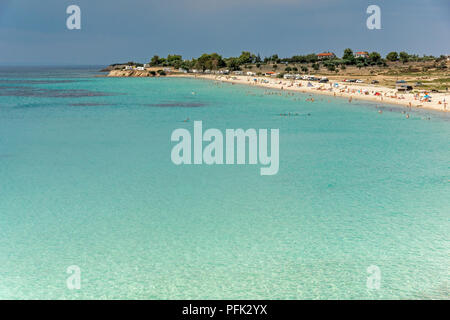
point(309, 58)
point(405, 57)
point(206, 61)
point(246, 57)
point(171, 60)
point(215, 61)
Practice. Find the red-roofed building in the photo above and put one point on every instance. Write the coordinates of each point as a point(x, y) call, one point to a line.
point(362, 54)
point(326, 55)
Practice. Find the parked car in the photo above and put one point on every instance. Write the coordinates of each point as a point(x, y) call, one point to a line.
point(404, 87)
point(375, 81)
point(359, 81)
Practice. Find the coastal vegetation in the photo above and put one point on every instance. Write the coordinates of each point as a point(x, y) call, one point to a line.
point(430, 70)
point(248, 60)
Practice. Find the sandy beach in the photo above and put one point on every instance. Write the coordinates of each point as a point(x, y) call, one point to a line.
point(436, 101)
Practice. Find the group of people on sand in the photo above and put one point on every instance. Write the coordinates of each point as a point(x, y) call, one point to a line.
point(342, 89)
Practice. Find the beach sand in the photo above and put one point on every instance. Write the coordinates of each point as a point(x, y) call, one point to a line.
point(438, 101)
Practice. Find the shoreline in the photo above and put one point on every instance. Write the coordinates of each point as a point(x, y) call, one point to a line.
point(358, 91)
point(344, 90)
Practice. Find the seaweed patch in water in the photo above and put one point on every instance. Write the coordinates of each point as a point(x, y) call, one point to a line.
point(38, 81)
point(18, 91)
point(177, 104)
point(89, 104)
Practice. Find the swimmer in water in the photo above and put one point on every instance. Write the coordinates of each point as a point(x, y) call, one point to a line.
point(186, 120)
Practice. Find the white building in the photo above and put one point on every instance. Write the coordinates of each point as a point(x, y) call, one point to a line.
point(361, 54)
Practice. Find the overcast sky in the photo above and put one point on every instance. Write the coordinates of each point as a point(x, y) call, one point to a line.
point(35, 32)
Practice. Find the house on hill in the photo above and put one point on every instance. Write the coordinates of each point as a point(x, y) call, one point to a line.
point(361, 54)
point(326, 55)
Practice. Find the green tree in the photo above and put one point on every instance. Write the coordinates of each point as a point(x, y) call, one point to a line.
point(173, 60)
point(392, 56)
point(245, 57)
point(311, 58)
point(155, 61)
point(404, 57)
point(374, 57)
point(186, 65)
point(233, 63)
point(211, 61)
point(348, 54)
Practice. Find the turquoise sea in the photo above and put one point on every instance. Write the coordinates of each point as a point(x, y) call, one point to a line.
point(86, 179)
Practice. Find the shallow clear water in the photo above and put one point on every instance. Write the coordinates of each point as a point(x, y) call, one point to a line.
point(86, 179)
